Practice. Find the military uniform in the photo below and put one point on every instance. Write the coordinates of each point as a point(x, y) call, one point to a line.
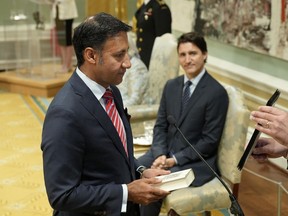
point(152, 20)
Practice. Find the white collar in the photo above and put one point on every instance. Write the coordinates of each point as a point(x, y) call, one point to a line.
point(96, 89)
point(196, 80)
point(146, 2)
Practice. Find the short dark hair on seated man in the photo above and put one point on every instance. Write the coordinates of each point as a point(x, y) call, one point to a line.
point(195, 38)
point(94, 32)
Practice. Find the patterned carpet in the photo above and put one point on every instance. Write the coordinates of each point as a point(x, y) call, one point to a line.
point(22, 191)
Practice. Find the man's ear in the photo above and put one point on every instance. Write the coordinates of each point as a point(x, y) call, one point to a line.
point(205, 56)
point(90, 55)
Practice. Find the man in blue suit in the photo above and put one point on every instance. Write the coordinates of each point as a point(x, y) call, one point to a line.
point(199, 109)
point(88, 168)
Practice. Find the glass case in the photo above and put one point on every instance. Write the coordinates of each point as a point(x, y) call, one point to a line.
point(29, 44)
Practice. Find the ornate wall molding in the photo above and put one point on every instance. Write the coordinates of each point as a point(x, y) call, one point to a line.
point(257, 86)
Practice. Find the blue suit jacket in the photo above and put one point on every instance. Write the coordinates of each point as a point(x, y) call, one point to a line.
point(84, 160)
point(202, 123)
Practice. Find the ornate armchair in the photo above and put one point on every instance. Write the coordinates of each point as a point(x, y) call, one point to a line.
point(164, 65)
point(213, 195)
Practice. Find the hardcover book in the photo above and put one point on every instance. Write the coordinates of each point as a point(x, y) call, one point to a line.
point(176, 180)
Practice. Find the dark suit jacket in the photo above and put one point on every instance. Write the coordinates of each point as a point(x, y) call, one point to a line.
point(202, 123)
point(84, 160)
point(153, 20)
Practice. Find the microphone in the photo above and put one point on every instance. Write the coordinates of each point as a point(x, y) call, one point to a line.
point(235, 208)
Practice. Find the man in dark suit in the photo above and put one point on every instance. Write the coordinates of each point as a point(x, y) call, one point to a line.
point(201, 118)
point(88, 168)
point(153, 19)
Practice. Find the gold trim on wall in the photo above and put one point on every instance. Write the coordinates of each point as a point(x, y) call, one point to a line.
point(117, 8)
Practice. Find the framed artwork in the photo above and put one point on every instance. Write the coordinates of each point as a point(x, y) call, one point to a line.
point(256, 25)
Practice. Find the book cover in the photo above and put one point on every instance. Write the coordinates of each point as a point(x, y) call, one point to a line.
point(176, 180)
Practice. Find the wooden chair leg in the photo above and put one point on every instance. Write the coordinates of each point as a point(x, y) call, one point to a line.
point(235, 190)
point(172, 213)
point(207, 213)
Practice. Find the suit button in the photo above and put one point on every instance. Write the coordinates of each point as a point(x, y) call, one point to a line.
point(139, 49)
point(140, 39)
point(141, 30)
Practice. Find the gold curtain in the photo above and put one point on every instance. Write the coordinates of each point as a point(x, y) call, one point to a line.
point(117, 8)
point(134, 21)
point(139, 3)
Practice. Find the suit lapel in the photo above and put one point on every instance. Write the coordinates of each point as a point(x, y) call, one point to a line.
point(194, 97)
point(93, 106)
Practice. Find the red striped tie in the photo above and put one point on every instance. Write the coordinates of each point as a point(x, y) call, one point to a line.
point(114, 116)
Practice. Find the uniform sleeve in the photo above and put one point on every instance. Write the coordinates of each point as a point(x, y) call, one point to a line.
point(162, 20)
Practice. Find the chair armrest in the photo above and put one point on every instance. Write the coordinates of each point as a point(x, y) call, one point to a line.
point(141, 113)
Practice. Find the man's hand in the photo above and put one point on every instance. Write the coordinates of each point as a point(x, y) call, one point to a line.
point(170, 162)
point(268, 148)
point(162, 162)
point(273, 122)
point(150, 173)
point(143, 192)
point(159, 163)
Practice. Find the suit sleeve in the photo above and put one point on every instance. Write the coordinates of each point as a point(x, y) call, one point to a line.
point(162, 20)
point(63, 146)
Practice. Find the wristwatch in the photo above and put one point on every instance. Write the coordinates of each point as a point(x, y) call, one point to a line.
point(141, 169)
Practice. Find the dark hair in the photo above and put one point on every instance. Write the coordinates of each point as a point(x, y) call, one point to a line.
point(195, 38)
point(94, 32)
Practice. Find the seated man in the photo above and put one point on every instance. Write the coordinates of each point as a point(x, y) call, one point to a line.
point(135, 80)
point(199, 104)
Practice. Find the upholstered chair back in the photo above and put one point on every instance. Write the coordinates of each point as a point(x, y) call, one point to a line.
point(164, 65)
point(234, 136)
point(213, 195)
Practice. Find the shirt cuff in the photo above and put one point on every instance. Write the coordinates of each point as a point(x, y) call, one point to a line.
point(125, 198)
point(173, 156)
